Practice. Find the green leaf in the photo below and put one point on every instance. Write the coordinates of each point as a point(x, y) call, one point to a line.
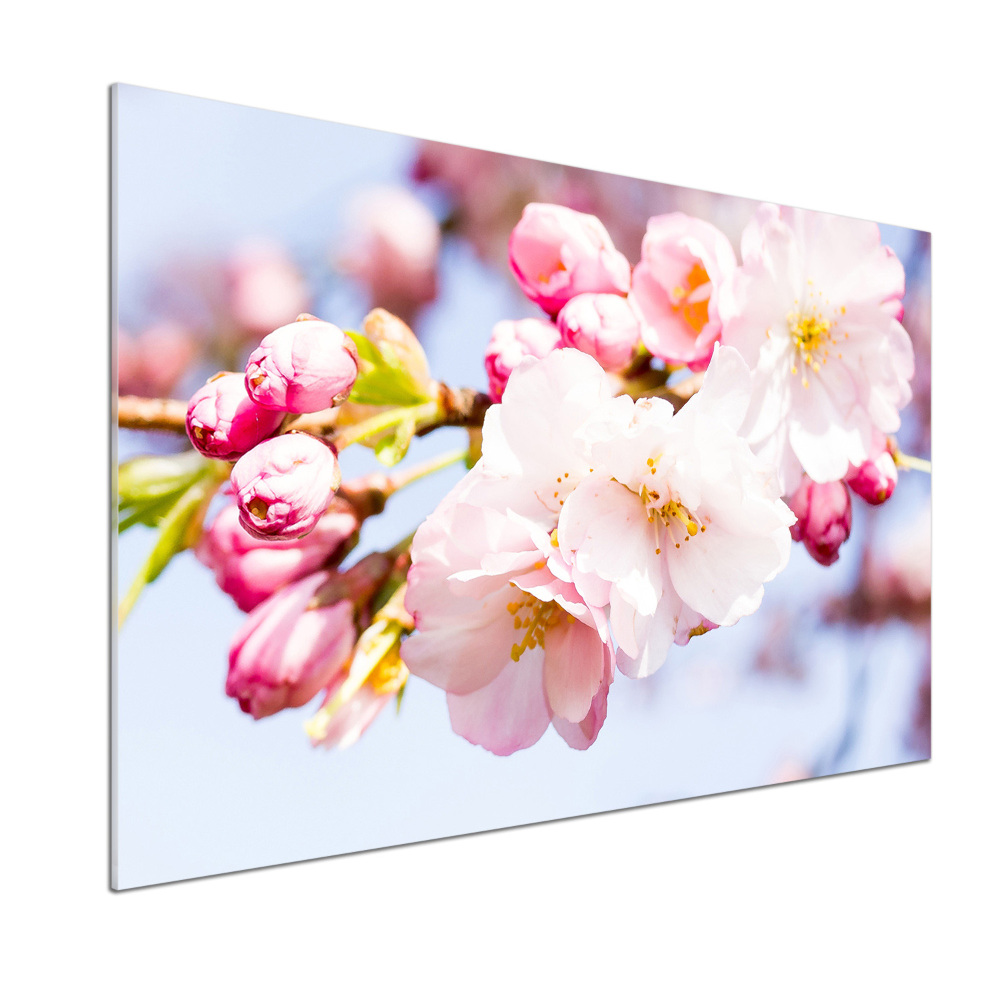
point(367, 351)
point(152, 477)
point(383, 378)
point(150, 485)
point(392, 448)
point(385, 386)
point(149, 513)
point(173, 538)
point(399, 695)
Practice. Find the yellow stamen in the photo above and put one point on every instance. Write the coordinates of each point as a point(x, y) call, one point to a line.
point(258, 508)
point(539, 617)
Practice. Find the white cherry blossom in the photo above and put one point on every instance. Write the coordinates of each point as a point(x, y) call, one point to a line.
point(814, 310)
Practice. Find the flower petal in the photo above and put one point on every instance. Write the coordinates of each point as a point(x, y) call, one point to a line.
point(508, 714)
point(574, 666)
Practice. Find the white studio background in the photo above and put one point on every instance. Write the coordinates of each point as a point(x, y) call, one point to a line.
point(880, 883)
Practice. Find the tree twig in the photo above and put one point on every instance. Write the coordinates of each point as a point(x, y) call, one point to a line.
point(140, 413)
point(459, 408)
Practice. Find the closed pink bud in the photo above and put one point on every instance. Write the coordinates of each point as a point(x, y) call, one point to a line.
point(675, 288)
point(152, 363)
point(224, 422)
point(284, 486)
point(824, 518)
point(556, 253)
point(391, 245)
point(287, 652)
point(251, 569)
point(303, 367)
point(511, 342)
point(603, 326)
point(265, 287)
point(875, 479)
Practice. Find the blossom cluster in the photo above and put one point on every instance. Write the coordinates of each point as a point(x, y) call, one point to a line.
point(282, 482)
point(598, 530)
point(814, 309)
point(595, 532)
point(660, 434)
point(277, 549)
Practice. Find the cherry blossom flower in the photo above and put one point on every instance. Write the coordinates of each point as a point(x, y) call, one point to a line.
point(556, 253)
point(502, 629)
point(678, 525)
point(285, 485)
point(814, 309)
point(874, 480)
point(510, 343)
point(152, 363)
point(675, 288)
point(265, 287)
point(302, 367)
point(374, 677)
point(224, 422)
point(287, 651)
point(350, 717)
point(603, 326)
point(391, 244)
point(251, 569)
point(610, 515)
point(823, 511)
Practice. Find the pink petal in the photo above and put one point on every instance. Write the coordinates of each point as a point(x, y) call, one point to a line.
point(574, 665)
point(510, 713)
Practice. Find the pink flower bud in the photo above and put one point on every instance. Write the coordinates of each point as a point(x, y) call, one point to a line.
point(675, 288)
point(286, 651)
point(391, 245)
point(250, 569)
point(265, 287)
point(875, 479)
point(303, 367)
point(224, 422)
point(824, 518)
point(603, 326)
point(385, 330)
point(152, 363)
point(511, 342)
point(556, 253)
point(284, 485)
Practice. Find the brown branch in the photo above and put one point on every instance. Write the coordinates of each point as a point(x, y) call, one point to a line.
point(677, 395)
point(460, 408)
point(141, 414)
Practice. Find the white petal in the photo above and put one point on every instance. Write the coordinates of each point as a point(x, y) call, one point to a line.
point(574, 666)
point(604, 530)
point(721, 576)
point(510, 713)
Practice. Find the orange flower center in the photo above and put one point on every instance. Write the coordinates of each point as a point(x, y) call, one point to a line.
point(690, 299)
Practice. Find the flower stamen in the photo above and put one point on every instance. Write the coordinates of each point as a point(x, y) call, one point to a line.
point(535, 617)
point(810, 333)
point(669, 514)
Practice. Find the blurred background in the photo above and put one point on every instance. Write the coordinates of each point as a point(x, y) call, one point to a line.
point(233, 220)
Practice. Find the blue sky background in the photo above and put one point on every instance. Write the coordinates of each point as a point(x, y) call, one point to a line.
point(202, 788)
